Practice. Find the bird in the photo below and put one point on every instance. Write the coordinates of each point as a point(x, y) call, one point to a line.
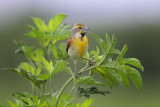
point(77, 44)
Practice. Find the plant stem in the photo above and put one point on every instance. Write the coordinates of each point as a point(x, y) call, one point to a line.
point(70, 92)
point(50, 87)
point(33, 87)
point(62, 89)
point(64, 86)
point(71, 101)
point(43, 94)
point(85, 69)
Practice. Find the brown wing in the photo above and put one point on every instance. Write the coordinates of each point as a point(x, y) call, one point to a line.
point(68, 44)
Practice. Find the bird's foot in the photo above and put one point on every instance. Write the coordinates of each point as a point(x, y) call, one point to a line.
point(77, 73)
point(91, 63)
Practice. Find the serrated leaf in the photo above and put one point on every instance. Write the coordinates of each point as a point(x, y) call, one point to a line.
point(54, 50)
point(132, 61)
point(124, 78)
point(89, 81)
point(62, 30)
point(27, 50)
point(25, 98)
point(108, 39)
point(44, 76)
point(61, 37)
point(135, 76)
point(109, 75)
point(39, 52)
point(109, 50)
point(114, 65)
point(55, 22)
point(35, 80)
point(38, 71)
point(115, 51)
point(97, 53)
point(39, 24)
point(60, 64)
point(100, 41)
point(87, 103)
point(35, 33)
point(124, 50)
point(86, 92)
point(62, 54)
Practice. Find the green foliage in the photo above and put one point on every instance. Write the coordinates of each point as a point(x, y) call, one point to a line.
point(33, 78)
point(115, 71)
point(89, 81)
point(46, 61)
point(86, 103)
point(88, 91)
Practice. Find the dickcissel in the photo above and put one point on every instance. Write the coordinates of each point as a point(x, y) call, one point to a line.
point(77, 44)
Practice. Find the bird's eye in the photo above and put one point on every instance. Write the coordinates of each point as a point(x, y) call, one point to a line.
point(80, 28)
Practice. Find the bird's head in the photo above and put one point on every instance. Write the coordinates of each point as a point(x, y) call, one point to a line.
point(80, 28)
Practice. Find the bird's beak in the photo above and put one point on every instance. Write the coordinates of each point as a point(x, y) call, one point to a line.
point(85, 29)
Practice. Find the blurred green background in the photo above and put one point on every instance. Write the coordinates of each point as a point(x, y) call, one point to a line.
point(135, 22)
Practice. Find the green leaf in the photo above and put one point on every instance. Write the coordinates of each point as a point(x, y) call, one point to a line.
point(115, 51)
point(18, 103)
point(25, 98)
point(62, 54)
point(124, 78)
point(114, 65)
point(27, 67)
point(55, 22)
point(78, 105)
point(27, 50)
point(1, 105)
point(47, 66)
point(44, 76)
point(87, 103)
point(132, 61)
point(109, 75)
point(60, 64)
point(11, 104)
point(28, 76)
point(38, 71)
point(109, 51)
point(62, 30)
point(86, 92)
point(54, 50)
point(60, 37)
point(39, 102)
point(100, 41)
point(39, 24)
point(89, 81)
point(108, 39)
point(34, 33)
point(124, 50)
point(135, 76)
point(97, 53)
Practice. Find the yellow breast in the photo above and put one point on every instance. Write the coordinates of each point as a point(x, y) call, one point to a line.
point(78, 48)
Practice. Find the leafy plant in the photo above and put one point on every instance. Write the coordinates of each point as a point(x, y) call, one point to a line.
point(50, 58)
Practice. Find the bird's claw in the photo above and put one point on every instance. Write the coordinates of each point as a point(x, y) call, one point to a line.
point(76, 73)
point(91, 63)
